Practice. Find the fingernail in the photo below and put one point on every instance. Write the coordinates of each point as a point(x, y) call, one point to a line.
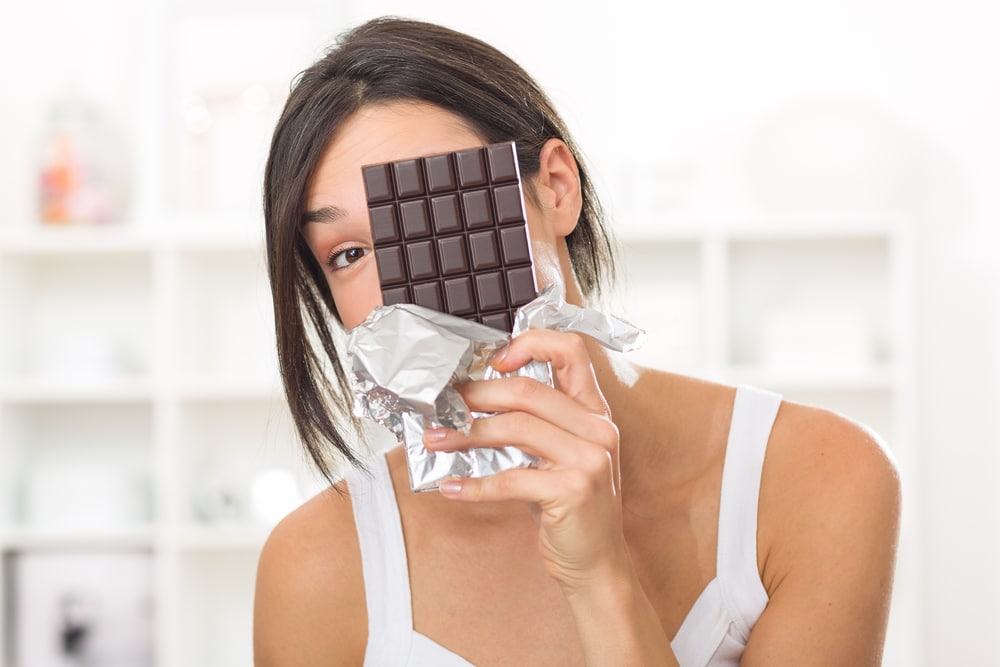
point(450, 487)
point(436, 434)
point(499, 356)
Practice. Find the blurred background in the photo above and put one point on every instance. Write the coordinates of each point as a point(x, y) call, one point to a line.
point(806, 195)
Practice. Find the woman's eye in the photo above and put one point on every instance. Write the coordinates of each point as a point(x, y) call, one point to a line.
point(342, 259)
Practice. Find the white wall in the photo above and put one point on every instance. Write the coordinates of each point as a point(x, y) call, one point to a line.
point(899, 100)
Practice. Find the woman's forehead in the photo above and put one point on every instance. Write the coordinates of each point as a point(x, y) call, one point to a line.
point(401, 130)
point(383, 133)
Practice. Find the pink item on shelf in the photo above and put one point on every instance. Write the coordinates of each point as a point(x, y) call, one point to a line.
point(81, 174)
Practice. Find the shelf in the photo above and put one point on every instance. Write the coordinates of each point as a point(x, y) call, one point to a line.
point(218, 237)
point(189, 234)
point(876, 378)
point(193, 537)
point(230, 389)
point(222, 537)
point(20, 538)
point(75, 240)
point(48, 392)
point(805, 225)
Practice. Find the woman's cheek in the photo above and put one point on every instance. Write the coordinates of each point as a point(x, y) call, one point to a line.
point(356, 295)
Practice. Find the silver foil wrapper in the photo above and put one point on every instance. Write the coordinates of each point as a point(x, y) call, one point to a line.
point(406, 361)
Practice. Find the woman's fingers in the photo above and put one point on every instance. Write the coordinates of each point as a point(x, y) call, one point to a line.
point(555, 424)
point(567, 354)
point(531, 434)
point(566, 489)
point(524, 394)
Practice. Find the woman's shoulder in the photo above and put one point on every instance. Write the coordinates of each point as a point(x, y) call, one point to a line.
point(318, 537)
point(309, 606)
point(827, 450)
point(827, 478)
point(810, 450)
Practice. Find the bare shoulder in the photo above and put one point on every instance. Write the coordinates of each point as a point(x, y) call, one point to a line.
point(309, 606)
point(823, 463)
point(827, 537)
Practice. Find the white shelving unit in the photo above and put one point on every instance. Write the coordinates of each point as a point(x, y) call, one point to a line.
point(816, 308)
point(187, 405)
point(159, 454)
point(140, 411)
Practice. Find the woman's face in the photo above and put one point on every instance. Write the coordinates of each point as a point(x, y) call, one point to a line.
point(337, 229)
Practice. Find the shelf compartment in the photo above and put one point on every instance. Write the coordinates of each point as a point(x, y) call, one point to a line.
point(878, 377)
point(817, 302)
point(41, 241)
point(20, 538)
point(206, 538)
point(108, 595)
point(42, 392)
point(225, 333)
point(661, 291)
point(215, 597)
point(226, 389)
point(83, 468)
point(241, 467)
point(81, 318)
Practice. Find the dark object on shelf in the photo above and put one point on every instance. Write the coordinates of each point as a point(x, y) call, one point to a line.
point(85, 607)
point(77, 625)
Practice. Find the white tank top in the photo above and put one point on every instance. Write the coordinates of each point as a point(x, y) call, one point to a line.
point(713, 634)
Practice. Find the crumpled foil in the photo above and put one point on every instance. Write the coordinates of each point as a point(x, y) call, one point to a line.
point(406, 361)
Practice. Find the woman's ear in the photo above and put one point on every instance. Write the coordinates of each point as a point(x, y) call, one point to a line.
point(557, 187)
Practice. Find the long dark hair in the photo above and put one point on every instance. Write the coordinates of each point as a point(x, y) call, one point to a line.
point(385, 60)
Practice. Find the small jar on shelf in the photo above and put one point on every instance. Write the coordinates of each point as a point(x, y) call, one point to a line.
point(82, 172)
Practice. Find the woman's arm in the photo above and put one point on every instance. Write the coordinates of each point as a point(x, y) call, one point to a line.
point(574, 493)
point(830, 495)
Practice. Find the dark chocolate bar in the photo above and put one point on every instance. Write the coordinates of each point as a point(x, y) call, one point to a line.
point(450, 233)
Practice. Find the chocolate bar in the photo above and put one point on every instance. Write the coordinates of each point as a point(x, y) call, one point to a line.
point(449, 233)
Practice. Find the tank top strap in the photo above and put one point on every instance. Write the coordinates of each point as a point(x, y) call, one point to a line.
point(384, 566)
point(754, 412)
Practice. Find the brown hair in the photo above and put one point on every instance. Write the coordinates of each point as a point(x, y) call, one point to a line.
point(381, 61)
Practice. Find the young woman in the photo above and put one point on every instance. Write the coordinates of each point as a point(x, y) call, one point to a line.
point(672, 521)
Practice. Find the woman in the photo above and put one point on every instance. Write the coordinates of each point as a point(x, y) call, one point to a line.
point(672, 521)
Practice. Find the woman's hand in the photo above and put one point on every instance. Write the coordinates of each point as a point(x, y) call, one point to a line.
point(575, 490)
point(575, 493)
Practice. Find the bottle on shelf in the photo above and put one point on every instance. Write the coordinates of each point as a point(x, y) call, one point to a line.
point(82, 170)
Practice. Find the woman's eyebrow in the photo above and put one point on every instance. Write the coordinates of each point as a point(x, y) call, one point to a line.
point(325, 214)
